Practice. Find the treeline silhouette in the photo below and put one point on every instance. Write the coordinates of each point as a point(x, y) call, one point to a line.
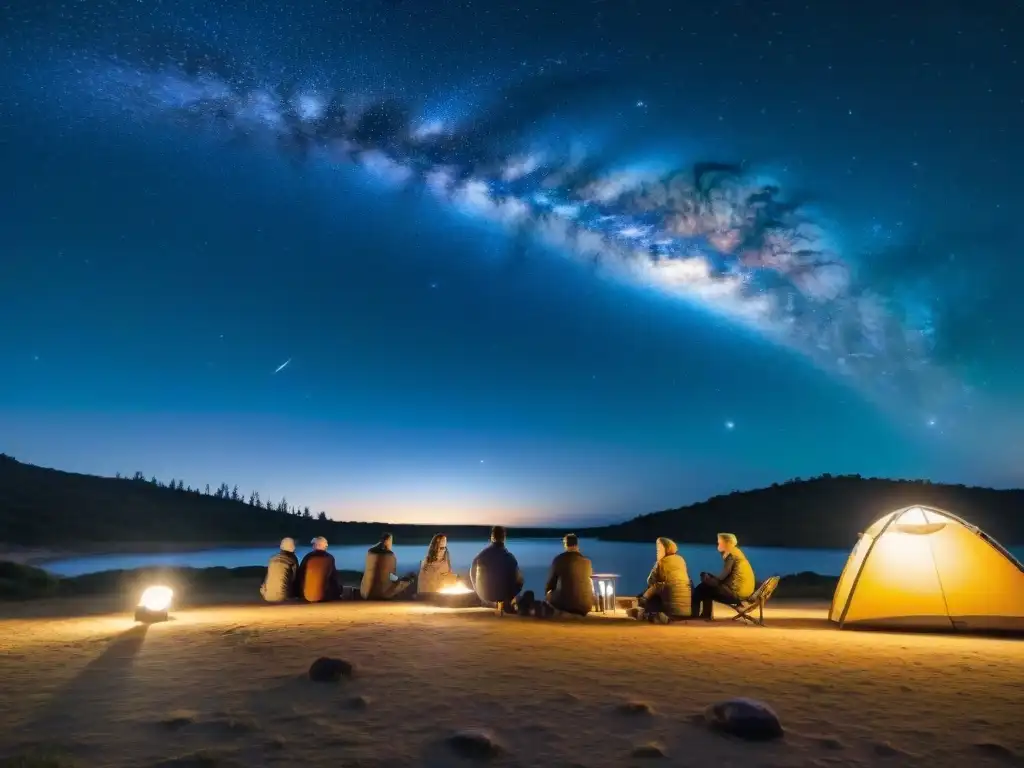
point(229, 493)
point(48, 507)
point(826, 512)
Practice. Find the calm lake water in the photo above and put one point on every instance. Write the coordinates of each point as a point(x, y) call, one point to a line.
point(631, 561)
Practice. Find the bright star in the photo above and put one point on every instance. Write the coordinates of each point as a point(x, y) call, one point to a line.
point(730, 425)
point(931, 422)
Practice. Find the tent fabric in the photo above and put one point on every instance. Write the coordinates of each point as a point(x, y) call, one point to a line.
point(921, 567)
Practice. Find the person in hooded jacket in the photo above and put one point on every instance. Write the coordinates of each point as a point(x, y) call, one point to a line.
point(380, 575)
point(280, 583)
point(495, 573)
point(669, 591)
point(318, 574)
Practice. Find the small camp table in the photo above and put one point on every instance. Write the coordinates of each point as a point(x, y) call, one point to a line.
point(604, 591)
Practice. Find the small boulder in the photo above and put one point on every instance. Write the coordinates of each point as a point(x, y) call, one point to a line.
point(359, 702)
point(475, 744)
point(327, 670)
point(649, 751)
point(178, 719)
point(746, 718)
point(635, 708)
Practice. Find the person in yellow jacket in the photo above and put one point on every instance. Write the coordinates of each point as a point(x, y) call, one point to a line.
point(733, 585)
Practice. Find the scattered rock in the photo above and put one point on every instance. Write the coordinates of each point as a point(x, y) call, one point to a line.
point(885, 749)
point(635, 708)
point(327, 670)
point(179, 719)
point(648, 751)
point(359, 702)
point(746, 718)
point(475, 744)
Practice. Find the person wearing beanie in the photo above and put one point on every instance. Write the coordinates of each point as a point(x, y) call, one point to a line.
point(280, 583)
point(318, 574)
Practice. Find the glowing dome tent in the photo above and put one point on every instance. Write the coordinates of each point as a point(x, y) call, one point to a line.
point(921, 567)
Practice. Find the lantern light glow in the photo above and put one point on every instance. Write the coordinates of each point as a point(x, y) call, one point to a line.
point(156, 599)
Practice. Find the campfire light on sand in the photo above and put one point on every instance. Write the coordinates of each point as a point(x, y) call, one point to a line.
point(458, 588)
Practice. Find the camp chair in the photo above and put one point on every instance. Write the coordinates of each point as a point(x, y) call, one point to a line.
point(757, 600)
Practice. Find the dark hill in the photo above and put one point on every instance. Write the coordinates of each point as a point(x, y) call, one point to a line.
point(826, 512)
point(47, 507)
point(55, 509)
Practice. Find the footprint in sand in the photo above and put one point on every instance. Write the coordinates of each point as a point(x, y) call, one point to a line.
point(228, 725)
point(829, 742)
point(179, 719)
point(197, 760)
point(997, 750)
point(635, 708)
point(886, 749)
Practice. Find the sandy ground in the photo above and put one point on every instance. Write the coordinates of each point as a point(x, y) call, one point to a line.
point(227, 686)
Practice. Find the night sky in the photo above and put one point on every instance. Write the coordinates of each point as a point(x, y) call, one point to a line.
point(501, 262)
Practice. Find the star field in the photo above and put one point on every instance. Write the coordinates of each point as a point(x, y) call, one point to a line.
point(471, 261)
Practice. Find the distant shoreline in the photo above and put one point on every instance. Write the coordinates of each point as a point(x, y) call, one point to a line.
point(41, 556)
point(38, 556)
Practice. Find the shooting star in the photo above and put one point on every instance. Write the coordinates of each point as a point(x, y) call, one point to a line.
point(282, 366)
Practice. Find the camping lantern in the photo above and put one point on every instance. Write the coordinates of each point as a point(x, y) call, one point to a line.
point(456, 595)
point(604, 591)
point(154, 605)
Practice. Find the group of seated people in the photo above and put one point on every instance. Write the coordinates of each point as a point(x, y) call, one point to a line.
point(496, 578)
point(670, 594)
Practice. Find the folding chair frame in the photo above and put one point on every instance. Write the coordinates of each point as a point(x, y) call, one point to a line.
point(757, 600)
point(743, 613)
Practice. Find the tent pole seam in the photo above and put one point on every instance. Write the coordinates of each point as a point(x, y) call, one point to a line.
point(856, 578)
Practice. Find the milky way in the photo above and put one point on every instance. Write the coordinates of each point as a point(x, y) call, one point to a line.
point(714, 233)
